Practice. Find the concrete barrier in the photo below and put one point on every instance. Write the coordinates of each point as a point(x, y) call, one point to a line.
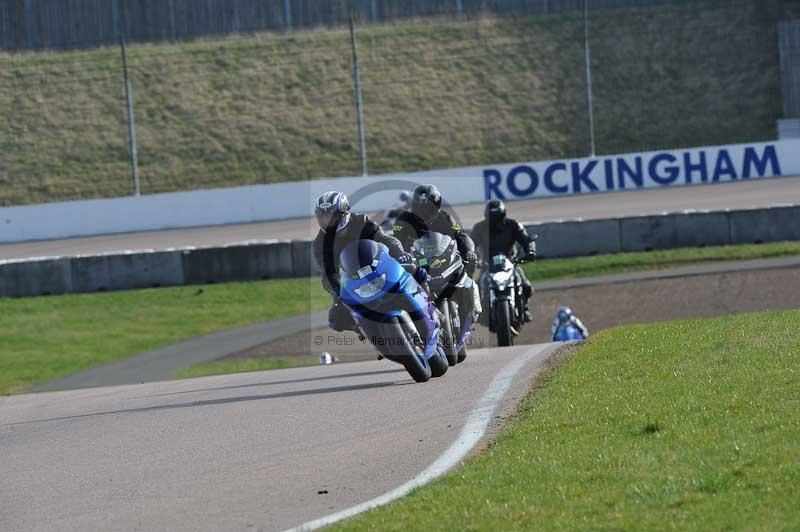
point(699, 229)
point(576, 238)
point(675, 230)
point(238, 263)
point(277, 260)
point(36, 278)
point(774, 224)
point(303, 262)
point(127, 271)
point(645, 233)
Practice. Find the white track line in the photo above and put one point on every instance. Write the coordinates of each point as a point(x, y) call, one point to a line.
point(473, 431)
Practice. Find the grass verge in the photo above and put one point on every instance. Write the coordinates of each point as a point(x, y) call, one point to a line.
point(683, 425)
point(49, 337)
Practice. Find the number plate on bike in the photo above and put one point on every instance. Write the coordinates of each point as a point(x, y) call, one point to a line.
point(498, 260)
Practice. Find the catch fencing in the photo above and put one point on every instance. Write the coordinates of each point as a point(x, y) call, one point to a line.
point(434, 93)
point(789, 38)
point(62, 24)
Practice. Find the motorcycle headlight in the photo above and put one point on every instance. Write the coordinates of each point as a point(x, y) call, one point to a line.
point(371, 288)
point(501, 279)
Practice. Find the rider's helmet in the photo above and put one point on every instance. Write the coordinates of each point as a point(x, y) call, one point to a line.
point(426, 202)
point(332, 209)
point(564, 315)
point(495, 213)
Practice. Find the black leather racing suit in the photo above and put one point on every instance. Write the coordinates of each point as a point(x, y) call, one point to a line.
point(409, 227)
point(360, 227)
point(492, 241)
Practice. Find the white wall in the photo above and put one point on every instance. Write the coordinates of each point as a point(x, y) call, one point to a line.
point(458, 185)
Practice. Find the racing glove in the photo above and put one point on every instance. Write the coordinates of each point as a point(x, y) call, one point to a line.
point(470, 261)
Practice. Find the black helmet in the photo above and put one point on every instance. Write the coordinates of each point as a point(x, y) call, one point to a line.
point(332, 208)
point(495, 213)
point(426, 202)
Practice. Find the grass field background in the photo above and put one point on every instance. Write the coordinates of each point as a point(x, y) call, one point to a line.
point(690, 425)
point(266, 108)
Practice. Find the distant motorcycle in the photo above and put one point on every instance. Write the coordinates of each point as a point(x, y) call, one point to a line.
point(505, 300)
point(567, 333)
point(452, 290)
point(391, 309)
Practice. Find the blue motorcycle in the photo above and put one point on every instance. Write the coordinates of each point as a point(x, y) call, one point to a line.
point(567, 333)
point(391, 309)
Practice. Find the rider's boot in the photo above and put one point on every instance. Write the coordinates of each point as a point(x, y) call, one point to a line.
point(527, 315)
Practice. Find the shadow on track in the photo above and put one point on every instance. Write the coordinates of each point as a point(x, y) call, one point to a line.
point(288, 381)
point(214, 402)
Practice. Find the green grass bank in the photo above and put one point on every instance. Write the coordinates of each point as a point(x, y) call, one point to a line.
point(689, 425)
point(269, 108)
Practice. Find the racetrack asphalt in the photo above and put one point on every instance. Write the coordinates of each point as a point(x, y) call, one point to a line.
point(256, 451)
point(736, 195)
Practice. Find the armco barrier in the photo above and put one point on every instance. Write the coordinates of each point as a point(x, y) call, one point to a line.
point(774, 224)
point(275, 260)
point(36, 278)
point(576, 238)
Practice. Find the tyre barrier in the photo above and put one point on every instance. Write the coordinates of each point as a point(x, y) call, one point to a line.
point(283, 259)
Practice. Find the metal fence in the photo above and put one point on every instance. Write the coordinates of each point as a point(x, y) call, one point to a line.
point(435, 93)
point(63, 24)
point(789, 38)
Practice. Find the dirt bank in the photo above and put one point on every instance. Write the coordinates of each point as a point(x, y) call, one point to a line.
point(600, 307)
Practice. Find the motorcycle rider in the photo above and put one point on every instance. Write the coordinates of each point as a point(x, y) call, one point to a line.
point(338, 228)
point(565, 317)
point(496, 234)
point(426, 215)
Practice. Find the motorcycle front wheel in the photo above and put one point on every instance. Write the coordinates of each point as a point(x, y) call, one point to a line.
point(448, 338)
point(503, 314)
point(400, 347)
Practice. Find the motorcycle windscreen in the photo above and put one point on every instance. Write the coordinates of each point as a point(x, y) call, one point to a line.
point(367, 271)
point(357, 255)
point(436, 253)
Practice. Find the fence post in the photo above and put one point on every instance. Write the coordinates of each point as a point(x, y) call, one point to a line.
point(287, 11)
point(31, 40)
point(362, 144)
point(373, 10)
point(588, 67)
point(459, 8)
point(131, 125)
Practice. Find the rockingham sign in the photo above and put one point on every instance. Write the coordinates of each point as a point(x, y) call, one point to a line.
point(279, 201)
point(638, 171)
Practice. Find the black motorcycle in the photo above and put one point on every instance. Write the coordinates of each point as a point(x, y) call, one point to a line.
point(503, 298)
point(452, 290)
